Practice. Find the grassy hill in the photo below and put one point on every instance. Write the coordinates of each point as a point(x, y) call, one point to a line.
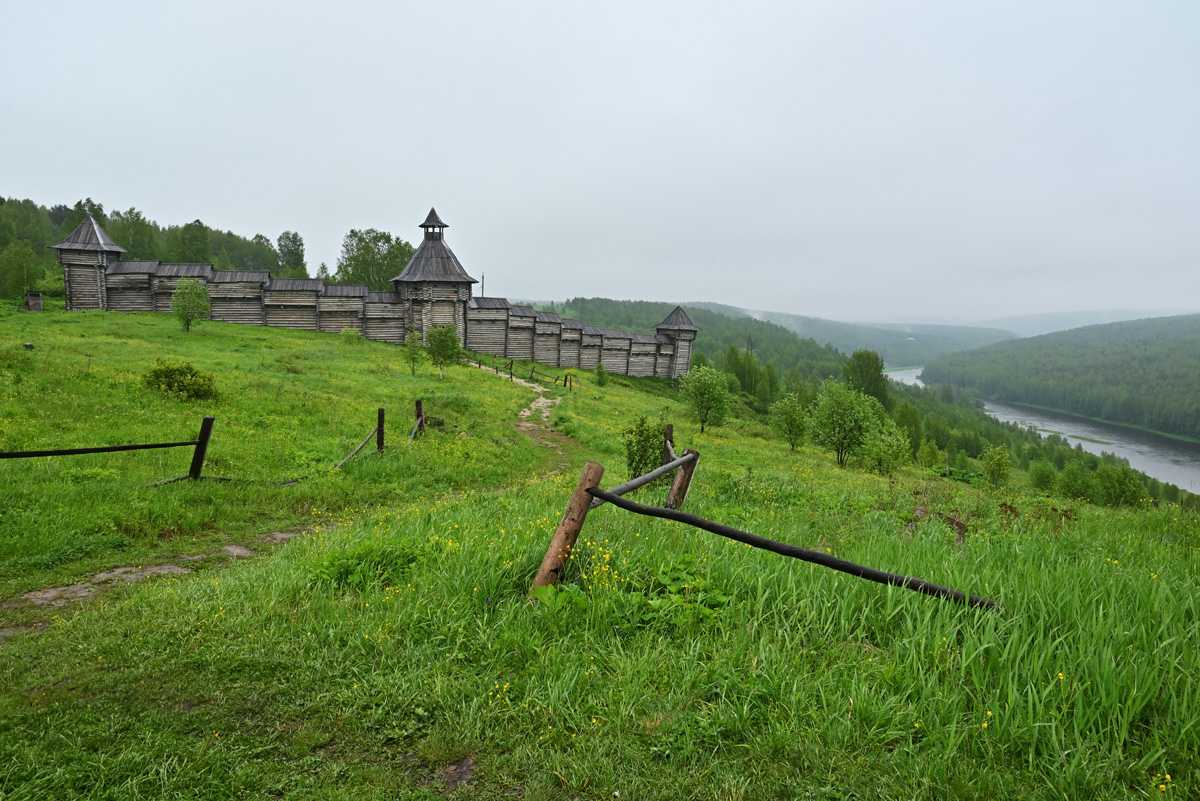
point(1144, 373)
point(900, 345)
point(390, 652)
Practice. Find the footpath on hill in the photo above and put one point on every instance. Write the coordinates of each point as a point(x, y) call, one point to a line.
point(533, 421)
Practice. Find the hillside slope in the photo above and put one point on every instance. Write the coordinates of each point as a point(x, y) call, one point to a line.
point(1033, 325)
point(1144, 373)
point(900, 344)
point(391, 651)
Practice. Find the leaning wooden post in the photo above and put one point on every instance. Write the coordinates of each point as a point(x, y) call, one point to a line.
point(683, 481)
point(379, 431)
point(668, 443)
point(420, 416)
point(197, 467)
point(568, 528)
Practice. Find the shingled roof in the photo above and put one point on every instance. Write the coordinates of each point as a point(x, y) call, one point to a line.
point(678, 320)
point(133, 268)
point(184, 270)
point(88, 235)
point(345, 291)
point(240, 277)
point(489, 303)
point(434, 261)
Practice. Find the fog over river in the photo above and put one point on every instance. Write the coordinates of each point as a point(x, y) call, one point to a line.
point(1163, 458)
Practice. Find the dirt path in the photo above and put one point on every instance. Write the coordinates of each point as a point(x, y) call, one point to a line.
point(533, 421)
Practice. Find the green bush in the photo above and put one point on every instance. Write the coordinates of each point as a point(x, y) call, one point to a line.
point(601, 375)
point(885, 447)
point(997, 465)
point(351, 336)
point(181, 380)
point(643, 446)
point(1042, 475)
point(1076, 482)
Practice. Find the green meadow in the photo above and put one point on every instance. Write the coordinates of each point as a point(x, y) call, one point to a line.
point(391, 651)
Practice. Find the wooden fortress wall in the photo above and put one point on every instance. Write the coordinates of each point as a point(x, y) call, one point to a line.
point(485, 325)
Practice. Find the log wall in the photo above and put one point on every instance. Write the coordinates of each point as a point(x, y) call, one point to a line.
point(488, 325)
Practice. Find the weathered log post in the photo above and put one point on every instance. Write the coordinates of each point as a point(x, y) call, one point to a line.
point(379, 431)
point(420, 416)
point(668, 454)
point(206, 427)
point(683, 481)
point(568, 528)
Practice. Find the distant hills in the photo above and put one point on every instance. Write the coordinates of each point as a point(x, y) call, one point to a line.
point(1142, 372)
point(900, 345)
point(1032, 325)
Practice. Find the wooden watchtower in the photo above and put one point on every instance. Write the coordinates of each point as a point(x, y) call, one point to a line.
point(434, 285)
point(85, 256)
point(679, 330)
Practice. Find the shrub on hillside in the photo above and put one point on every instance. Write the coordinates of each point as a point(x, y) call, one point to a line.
point(601, 375)
point(190, 302)
point(997, 465)
point(643, 446)
point(181, 380)
point(1042, 475)
point(707, 393)
point(840, 418)
point(1076, 482)
point(788, 416)
point(885, 447)
point(444, 347)
point(1117, 485)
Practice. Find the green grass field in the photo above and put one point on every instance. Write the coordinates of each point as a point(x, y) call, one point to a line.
point(396, 641)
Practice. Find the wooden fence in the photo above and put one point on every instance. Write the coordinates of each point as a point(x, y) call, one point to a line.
point(199, 446)
point(588, 495)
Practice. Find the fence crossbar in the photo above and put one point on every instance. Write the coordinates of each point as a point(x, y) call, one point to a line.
point(803, 554)
point(103, 449)
point(357, 450)
point(642, 480)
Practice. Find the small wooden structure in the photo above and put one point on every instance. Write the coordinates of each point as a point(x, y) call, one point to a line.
point(434, 284)
point(33, 301)
point(340, 308)
point(130, 285)
point(85, 255)
point(487, 325)
point(292, 302)
point(236, 296)
point(167, 277)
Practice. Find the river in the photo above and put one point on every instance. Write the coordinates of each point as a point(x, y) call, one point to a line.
point(1161, 457)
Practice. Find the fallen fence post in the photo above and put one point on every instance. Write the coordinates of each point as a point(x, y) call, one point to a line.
point(803, 554)
point(379, 431)
point(568, 528)
point(683, 481)
point(206, 426)
point(646, 478)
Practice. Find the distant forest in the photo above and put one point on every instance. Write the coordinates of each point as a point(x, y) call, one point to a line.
point(900, 345)
point(27, 229)
point(1144, 372)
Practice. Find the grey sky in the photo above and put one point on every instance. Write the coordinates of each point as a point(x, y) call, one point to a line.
point(873, 160)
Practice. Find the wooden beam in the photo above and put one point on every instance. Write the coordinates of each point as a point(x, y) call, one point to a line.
point(683, 481)
point(559, 551)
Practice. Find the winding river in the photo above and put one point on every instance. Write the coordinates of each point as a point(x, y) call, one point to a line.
point(1166, 459)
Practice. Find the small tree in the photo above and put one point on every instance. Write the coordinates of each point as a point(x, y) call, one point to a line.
point(444, 347)
point(864, 372)
point(705, 389)
point(788, 417)
point(643, 446)
point(414, 354)
point(1042, 475)
point(929, 455)
point(19, 269)
point(997, 465)
point(885, 446)
point(601, 375)
point(840, 418)
point(190, 302)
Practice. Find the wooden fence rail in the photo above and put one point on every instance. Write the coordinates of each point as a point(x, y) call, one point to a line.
point(199, 444)
point(589, 494)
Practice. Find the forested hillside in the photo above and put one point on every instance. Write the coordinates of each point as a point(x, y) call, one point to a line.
point(900, 344)
point(722, 340)
point(1144, 373)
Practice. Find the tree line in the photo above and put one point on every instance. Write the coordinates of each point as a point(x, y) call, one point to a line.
point(28, 229)
point(1144, 373)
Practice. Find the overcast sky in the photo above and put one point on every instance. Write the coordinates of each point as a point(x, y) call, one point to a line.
point(855, 160)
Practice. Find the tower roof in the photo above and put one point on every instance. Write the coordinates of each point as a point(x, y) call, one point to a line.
point(88, 235)
point(433, 261)
point(432, 220)
point(678, 320)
